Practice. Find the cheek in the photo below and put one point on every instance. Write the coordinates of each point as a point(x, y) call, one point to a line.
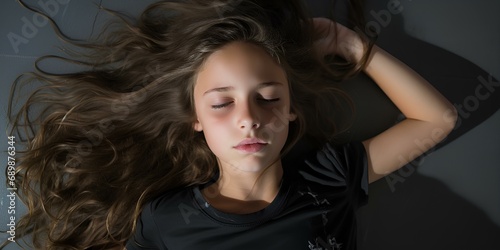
point(219, 141)
point(215, 130)
point(213, 120)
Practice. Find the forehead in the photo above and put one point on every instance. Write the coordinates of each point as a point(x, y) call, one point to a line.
point(237, 62)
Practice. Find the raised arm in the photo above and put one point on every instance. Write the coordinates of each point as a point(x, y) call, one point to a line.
point(429, 115)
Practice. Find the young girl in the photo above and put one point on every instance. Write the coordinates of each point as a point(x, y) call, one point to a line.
point(176, 136)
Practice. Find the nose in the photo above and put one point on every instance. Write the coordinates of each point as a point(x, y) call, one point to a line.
point(248, 117)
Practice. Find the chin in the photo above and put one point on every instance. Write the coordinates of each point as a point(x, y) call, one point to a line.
point(253, 165)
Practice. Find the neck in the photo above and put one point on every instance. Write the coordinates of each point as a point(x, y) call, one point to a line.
point(243, 192)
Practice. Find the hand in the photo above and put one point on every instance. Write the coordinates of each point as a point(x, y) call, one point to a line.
point(334, 38)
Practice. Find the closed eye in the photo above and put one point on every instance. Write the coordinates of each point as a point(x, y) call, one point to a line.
point(223, 105)
point(269, 100)
point(266, 101)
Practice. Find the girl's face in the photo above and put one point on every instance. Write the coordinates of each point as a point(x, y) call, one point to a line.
point(242, 103)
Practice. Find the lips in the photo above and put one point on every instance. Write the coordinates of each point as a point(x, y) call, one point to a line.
point(251, 145)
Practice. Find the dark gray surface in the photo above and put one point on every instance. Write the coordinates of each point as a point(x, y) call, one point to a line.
point(451, 200)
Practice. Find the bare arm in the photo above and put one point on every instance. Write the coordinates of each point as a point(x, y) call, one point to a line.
point(429, 115)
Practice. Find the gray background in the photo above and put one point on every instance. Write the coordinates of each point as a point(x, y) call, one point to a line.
point(448, 200)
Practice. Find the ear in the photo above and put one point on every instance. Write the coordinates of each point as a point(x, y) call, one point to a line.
point(292, 116)
point(197, 126)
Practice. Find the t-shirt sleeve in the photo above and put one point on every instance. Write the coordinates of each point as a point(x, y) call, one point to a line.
point(343, 166)
point(147, 234)
point(356, 164)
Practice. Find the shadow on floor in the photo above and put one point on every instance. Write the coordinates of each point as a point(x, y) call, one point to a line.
point(422, 213)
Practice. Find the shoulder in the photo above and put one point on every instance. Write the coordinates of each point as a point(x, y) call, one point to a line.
point(151, 230)
point(330, 157)
point(332, 166)
point(342, 161)
point(345, 153)
point(345, 157)
point(168, 203)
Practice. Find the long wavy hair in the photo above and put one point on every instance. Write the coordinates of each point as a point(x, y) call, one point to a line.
point(103, 141)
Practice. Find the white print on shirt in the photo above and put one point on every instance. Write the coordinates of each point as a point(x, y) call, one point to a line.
point(324, 218)
point(315, 196)
point(317, 202)
point(320, 244)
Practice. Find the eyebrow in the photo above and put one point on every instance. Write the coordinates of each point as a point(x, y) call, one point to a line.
point(228, 88)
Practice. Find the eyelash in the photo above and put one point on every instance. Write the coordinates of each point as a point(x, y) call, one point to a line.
point(219, 106)
point(267, 101)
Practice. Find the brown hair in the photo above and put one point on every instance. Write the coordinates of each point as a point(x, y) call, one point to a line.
point(103, 141)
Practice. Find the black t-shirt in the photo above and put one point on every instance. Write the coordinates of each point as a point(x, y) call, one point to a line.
point(314, 209)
